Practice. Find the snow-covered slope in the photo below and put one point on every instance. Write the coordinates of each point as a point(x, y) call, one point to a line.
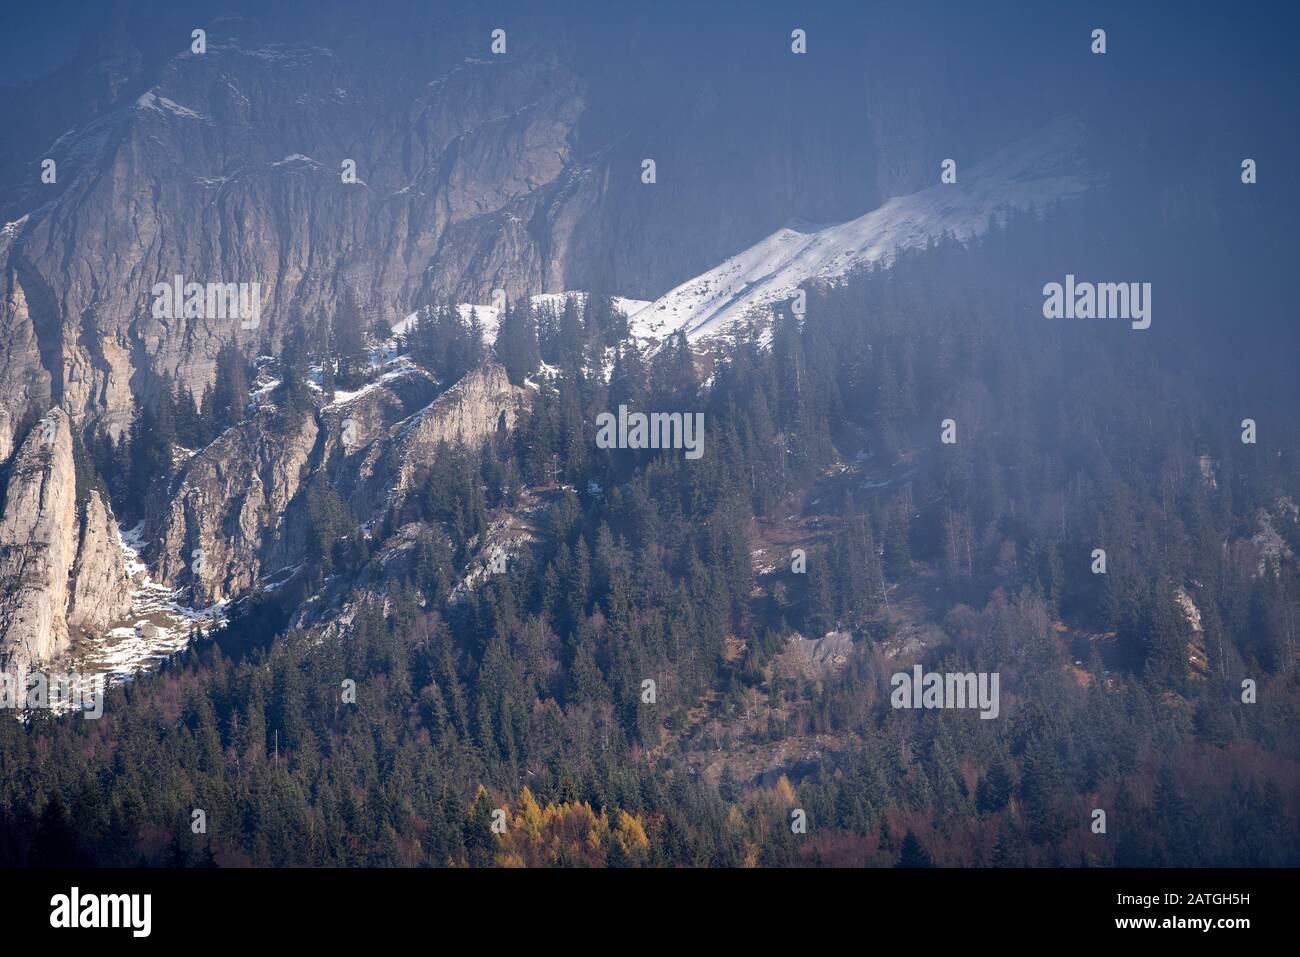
point(157, 627)
point(1031, 173)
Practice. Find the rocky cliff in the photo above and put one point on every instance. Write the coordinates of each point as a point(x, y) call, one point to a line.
point(57, 573)
point(480, 405)
point(226, 515)
point(234, 518)
point(101, 589)
point(38, 546)
point(473, 172)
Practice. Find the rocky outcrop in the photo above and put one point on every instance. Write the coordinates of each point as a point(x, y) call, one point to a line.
point(38, 545)
point(225, 521)
point(101, 588)
point(59, 575)
point(816, 658)
point(474, 172)
point(354, 422)
point(235, 516)
point(477, 407)
point(24, 380)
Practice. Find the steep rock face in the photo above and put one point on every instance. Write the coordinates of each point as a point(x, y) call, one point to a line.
point(481, 404)
point(235, 516)
point(24, 379)
point(229, 170)
point(38, 543)
point(101, 589)
point(352, 424)
point(226, 517)
point(475, 408)
point(474, 172)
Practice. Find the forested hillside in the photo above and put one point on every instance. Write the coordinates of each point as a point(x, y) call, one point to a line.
point(525, 691)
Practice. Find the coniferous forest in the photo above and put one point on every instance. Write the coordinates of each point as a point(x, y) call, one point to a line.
point(526, 694)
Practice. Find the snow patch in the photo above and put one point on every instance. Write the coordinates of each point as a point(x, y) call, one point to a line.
point(296, 158)
point(160, 104)
point(1030, 174)
point(157, 627)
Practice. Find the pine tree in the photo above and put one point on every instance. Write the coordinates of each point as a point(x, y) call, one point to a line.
point(912, 853)
point(293, 395)
point(229, 396)
point(349, 338)
point(516, 343)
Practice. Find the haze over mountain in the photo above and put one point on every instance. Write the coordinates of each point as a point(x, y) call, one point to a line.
point(476, 172)
point(388, 472)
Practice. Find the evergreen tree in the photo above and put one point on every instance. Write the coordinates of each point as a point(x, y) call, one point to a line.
point(229, 397)
point(349, 339)
point(516, 343)
point(912, 853)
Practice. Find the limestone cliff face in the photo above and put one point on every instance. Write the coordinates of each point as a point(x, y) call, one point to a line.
point(352, 425)
point(101, 590)
point(226, 516)
point(60, 573)
point(38, 544)
point(473, 172)
point(230, 170)
point(236, 514)
point(477, 407)
point(481, 404)
point(24, 380)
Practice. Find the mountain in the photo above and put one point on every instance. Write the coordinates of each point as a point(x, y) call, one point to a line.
point(395, 503)
point(1031, 174)
point(475, 172)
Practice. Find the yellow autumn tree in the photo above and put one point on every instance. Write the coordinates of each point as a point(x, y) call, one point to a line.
point(567, 834)
point(630, 836)
point(783, 793)
point(529, 817)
